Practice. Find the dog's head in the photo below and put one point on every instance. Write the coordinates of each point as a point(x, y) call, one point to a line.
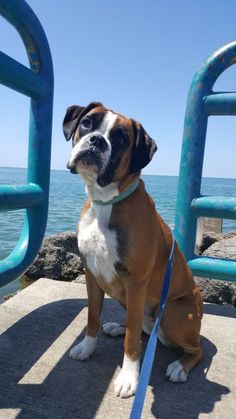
point(106, 146)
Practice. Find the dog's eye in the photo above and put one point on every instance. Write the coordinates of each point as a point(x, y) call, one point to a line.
point(121, 140)
point(121, 137)
point(86, 123)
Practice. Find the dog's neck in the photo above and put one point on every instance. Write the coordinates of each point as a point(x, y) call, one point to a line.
point(112, 193)
point(99, 193)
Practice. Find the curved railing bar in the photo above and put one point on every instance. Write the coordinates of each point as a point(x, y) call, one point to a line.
point(202, 102)
point(36, 82)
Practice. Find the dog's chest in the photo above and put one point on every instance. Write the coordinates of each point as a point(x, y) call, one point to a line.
point(98, 243)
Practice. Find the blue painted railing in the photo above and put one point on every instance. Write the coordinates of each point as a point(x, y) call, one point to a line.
point(37, 83)
point(203, 102)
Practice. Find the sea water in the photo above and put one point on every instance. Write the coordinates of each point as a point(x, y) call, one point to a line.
point(67, 196)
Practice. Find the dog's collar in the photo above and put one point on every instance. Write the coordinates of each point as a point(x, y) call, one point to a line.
point(119, 197)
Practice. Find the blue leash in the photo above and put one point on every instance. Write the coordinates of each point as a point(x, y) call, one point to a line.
point(152, 344)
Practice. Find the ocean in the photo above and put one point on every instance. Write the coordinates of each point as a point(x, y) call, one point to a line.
point(67, 197)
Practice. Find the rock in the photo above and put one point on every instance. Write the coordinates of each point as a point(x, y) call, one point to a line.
point(206, 227)
point(58, 258)
point(80, 279)
point(230, 234)
point(208, 239)
point(224, 249)
point(4, 298)
point(215, 291)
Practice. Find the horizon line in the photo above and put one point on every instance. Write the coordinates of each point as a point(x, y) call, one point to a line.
point(143, 174)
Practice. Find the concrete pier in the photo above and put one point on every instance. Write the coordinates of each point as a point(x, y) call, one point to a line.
point(39, 380)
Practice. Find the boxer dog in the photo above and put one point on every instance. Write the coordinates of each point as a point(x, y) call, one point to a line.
point(126, 245)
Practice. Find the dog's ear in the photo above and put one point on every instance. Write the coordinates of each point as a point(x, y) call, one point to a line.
point(143, 149)
point(73, 116)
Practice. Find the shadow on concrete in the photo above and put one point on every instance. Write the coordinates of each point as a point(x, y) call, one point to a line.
point(220, 310)
point(187, 400)
point(76, 389)
point(72, 389)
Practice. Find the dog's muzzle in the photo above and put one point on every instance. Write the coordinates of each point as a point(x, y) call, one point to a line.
point(98, 142)
point(90, 154)
point(71, 166)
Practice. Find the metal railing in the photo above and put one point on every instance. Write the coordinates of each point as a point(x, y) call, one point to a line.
point(203, 102)
point(35, 82)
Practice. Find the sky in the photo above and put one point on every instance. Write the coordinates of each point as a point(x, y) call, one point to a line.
point(137, 57)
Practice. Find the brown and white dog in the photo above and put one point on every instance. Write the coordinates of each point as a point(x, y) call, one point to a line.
point(126, 244)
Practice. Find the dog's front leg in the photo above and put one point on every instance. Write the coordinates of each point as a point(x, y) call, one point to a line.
point(127, 380)
point(84, 349)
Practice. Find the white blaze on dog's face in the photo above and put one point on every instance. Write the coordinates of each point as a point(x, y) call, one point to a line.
point(91, 146)
point(106, 146)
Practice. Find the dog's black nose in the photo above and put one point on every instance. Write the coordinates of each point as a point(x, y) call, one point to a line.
point(99, 141)
point(71, 167)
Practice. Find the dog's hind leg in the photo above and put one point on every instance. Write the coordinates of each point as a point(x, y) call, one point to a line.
point(178, 371)
point(181, 326)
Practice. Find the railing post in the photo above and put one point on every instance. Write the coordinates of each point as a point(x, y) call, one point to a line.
point(37, 83)
point(201, 103)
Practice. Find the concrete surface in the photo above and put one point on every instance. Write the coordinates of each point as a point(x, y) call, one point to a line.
point(39, 380)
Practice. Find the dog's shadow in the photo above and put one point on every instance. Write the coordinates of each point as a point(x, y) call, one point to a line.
point(188, 400)
point(71, 389)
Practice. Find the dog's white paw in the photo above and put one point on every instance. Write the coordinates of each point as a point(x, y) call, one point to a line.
point(175, 372)
point(84, 349)
point(113, 329)
point(127, 381)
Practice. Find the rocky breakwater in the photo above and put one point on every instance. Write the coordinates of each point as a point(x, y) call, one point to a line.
point(59, 259)
point(224, 247)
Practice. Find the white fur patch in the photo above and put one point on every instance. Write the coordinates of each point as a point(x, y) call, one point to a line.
point(107, 123)
point(100, 193)
point(84, 349)
point(97, 243)
point(175, 372)
point(127, 381)
point(84, 145)
point(113, 329)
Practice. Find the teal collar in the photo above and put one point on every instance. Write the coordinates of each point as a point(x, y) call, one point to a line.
point(120, 197)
